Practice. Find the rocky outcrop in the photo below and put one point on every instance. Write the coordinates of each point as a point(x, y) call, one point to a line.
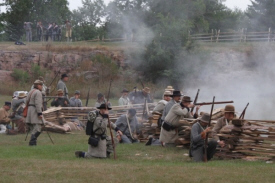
point(62, 62)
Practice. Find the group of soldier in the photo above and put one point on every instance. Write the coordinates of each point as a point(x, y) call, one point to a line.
point(51, 32)
point(172, 108)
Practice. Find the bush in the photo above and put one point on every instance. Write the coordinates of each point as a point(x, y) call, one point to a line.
point(20, 75)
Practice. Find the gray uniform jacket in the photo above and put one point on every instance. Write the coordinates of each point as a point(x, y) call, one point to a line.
point(196, 140)
point(123, 101)
point(61, 85)
point(100, 151)
point(175, 114)
point(75, 102)
point(122, 124)
point(44, 89)
point(17, 106)
point(60, 102)
point(218, 126)
point(139, 98)
point(35, 107)
point(160, 106)
point(167, 108)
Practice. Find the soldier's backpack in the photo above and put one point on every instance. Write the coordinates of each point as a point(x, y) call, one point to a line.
point(92, 115)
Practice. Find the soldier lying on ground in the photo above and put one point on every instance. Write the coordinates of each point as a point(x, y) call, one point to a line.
point(128, 123)
point(100, 144)
point(198, 136)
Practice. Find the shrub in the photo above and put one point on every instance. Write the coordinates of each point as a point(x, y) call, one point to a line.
point(20, 75)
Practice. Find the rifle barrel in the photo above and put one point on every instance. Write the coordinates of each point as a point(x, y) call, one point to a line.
point(210, 103)
point(196, 98)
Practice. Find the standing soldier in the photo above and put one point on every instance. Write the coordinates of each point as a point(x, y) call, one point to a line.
point(28, 29)
point(68, 30)
point(124, 100)
point(61, 84)
point(104, 147)
point(34, 117)
point(39, 31)
point(45, 91)
point(198, 136)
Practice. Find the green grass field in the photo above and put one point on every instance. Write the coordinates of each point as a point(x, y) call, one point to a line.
point(135, 163)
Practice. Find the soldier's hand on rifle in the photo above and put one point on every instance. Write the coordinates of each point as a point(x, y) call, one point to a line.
point(203, 134)
point(221, 143)
point(65, 102)
point(198, 108)
point(120, 132)
point(191, 105)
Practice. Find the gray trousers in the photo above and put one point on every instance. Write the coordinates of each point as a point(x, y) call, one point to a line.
point(197, 153)
point(28, 35)
point(33, 128)
point(128, 140)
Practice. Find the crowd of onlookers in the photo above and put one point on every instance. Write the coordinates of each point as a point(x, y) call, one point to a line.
point(51, 32)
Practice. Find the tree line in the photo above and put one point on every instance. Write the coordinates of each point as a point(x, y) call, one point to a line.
point(161, 25)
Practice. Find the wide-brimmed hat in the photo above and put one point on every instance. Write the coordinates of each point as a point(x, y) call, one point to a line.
point(146, 90)
point(64, 75)
point(8, 103)
point(167, 93)
point(229, 108)
point(176, 93)
point(186, 99)
point(124, 91)
point(204, 118)
point(169, 88)
point(103, 106)
point(22, 95)
point(38, 82)
point(77, 92)
point(60, 91)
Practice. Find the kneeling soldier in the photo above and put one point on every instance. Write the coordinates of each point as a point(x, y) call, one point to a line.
point(198, 136)
point(100, 145)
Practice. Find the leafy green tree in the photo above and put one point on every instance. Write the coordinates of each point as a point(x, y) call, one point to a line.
point(261, 14)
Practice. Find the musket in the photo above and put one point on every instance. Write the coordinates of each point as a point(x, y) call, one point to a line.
point(195, 101)
point(141, 83)
point(113, 142)
point(46, 130)
point(206, 138)
point(144, 107)
point(88, 95)
point(210, 103)
point(243, 113)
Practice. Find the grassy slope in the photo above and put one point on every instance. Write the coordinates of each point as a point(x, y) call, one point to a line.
point(135, 163)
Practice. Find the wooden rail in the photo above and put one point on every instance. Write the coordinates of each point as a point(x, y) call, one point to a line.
point(238, 36)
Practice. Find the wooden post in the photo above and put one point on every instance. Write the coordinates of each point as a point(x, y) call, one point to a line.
point(212, 33)
point(217, 40)
point(269, 34)
point(241, 38)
